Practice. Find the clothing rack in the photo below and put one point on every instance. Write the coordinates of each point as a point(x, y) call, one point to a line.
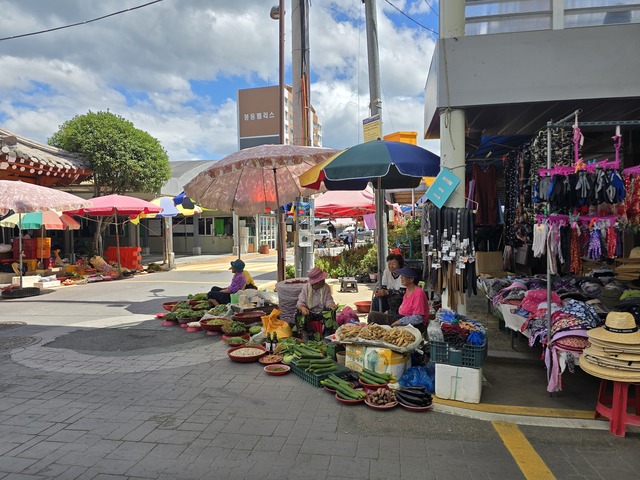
point(590, 167)
point(569, 218)
point(577, 138)
point(632, 170)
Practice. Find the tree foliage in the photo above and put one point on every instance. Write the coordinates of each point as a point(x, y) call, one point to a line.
point(122, 158)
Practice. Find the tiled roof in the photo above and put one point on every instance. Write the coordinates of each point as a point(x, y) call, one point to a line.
point(33, 162)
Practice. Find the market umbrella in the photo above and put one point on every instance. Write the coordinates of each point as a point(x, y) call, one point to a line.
point(114, 205)
point(25, 198)
point(49, 219)
point(170, 208)
point(346, 203)
point(257, 179)
point(386, 165)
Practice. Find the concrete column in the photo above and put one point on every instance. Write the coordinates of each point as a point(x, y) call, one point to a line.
point(236, 233)
point(170, 256)
point(557, 14)
point(452, 121)
point(196, 249)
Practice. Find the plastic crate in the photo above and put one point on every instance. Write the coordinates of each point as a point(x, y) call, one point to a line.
point(313, 378)
point(469, 356)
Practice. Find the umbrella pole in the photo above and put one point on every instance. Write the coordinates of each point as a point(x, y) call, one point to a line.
point(280, 237)
point(20, 246)
point(382, 238)
point(118, 245)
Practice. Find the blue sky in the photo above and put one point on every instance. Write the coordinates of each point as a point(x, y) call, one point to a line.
point(173, 68)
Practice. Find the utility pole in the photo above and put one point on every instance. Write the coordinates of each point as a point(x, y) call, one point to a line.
point(300, 63)
point(277, 13)
point(375, 108)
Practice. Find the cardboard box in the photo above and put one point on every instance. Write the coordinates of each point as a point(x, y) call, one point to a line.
point(458, 383)
point(381, 360)
point(488, 262)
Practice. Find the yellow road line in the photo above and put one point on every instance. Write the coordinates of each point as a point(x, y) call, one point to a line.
point(528, 460)
point(517, 410)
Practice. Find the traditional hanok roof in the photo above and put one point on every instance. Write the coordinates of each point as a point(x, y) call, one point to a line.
point(33, 162)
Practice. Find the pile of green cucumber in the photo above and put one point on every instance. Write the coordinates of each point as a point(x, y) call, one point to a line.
point(303, 351)
point(414, 396)
point(373, 378)
point(343, 388)
point(313, 361)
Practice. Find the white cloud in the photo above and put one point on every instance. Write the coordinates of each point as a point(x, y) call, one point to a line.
point(142, 65)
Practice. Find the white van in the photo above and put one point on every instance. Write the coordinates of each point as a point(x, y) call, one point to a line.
point(320, 233)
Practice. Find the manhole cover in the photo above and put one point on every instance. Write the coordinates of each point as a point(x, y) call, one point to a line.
point(8, 325)
point(9, 343)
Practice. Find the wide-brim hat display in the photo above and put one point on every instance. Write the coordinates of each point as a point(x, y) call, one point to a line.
point(619, 327)
point(612, 357)
point(615, 347)
point(608, 373)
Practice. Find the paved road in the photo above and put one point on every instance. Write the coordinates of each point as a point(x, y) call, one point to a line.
point(94, 388)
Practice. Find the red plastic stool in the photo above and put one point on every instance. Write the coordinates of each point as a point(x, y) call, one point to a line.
point(619, 401)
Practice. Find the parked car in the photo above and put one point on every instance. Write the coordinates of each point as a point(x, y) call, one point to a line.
point(363, 233)
point(320, 233)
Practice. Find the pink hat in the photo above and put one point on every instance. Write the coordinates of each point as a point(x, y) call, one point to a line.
point(316, 275)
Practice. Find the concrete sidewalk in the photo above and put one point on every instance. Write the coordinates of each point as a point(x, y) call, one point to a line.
point(114, 395)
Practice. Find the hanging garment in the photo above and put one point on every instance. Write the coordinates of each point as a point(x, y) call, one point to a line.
point(615, 191)
point(583, 187)
point(544, 187)
point(553, 246)
point(576, 257)
point(595, 245)
point(539, 239)
point(486, 195)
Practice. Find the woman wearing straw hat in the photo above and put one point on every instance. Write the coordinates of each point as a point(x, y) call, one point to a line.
point(314, 301)
point(219, 295)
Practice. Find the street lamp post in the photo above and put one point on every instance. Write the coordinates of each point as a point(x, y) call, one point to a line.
point(277, 13)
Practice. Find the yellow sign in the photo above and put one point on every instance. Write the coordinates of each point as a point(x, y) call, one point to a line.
point(372, 128)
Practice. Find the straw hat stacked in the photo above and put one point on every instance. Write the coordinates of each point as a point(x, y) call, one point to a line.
point(614, 351)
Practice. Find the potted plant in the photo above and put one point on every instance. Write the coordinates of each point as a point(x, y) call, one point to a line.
point(264, 248)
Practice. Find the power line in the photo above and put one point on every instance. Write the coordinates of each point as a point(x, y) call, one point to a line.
point(413, 20)
point(80, 23)
point(432, 9)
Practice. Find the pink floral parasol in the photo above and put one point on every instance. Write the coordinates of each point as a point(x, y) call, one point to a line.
point(24, 197)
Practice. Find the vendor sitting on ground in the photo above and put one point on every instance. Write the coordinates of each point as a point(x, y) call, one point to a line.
point(388, 298)
point(251, 284)
point(218, 296)
point(414, 309)
point(314, 299)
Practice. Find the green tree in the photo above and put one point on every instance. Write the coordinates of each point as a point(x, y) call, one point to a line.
point(122, 158)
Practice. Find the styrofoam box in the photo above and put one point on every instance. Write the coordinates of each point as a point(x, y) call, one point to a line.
point(49, 284)
point(27, 281)
point(458, 383)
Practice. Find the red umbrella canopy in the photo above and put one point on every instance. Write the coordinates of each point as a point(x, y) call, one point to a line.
point(246, 181)
point(345, 203)
point(117, 204)
point(25, 197)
